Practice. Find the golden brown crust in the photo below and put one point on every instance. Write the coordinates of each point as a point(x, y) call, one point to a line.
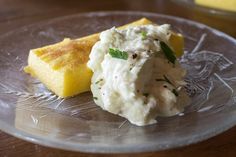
point(68, 53)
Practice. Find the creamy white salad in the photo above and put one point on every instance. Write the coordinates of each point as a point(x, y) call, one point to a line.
point(135, 74)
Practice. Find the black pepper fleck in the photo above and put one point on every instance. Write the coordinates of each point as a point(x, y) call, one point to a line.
point(98, 81)
point(134, 55)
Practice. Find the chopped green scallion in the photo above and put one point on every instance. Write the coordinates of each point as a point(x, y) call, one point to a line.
point(115, 53)
point(170, 55)
point(144, 35)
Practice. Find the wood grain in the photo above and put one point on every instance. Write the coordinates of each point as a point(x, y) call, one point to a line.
point(221, 145)
point(16, 13)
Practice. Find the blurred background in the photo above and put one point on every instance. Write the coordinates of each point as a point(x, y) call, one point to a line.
point(16, 13)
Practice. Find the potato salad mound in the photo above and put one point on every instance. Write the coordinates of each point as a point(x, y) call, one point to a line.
point(136, 74)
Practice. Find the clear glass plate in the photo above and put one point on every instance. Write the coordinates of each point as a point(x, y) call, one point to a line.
point(31, 112)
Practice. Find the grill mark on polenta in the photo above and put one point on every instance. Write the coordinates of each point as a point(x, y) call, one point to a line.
point(66, 54)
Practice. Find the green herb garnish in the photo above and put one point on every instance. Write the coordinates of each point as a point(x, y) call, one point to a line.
point(170, 55)
point(144, 35)
point(115, 53)
point(175, 92)
point(95, 98)
point(167, 80)
point(98, 81)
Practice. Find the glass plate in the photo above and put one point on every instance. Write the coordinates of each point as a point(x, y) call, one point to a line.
point(31, 112)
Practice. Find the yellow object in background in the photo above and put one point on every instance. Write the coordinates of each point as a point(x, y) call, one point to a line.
point(229, 5)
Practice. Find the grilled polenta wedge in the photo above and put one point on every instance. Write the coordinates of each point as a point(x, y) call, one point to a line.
point(62, 66)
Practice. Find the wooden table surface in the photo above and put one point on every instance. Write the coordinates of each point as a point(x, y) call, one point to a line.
point(16, 13)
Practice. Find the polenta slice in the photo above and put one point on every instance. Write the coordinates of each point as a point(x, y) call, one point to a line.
point(62, 66)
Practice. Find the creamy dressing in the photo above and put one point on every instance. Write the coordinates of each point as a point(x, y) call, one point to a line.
point(136, 88)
